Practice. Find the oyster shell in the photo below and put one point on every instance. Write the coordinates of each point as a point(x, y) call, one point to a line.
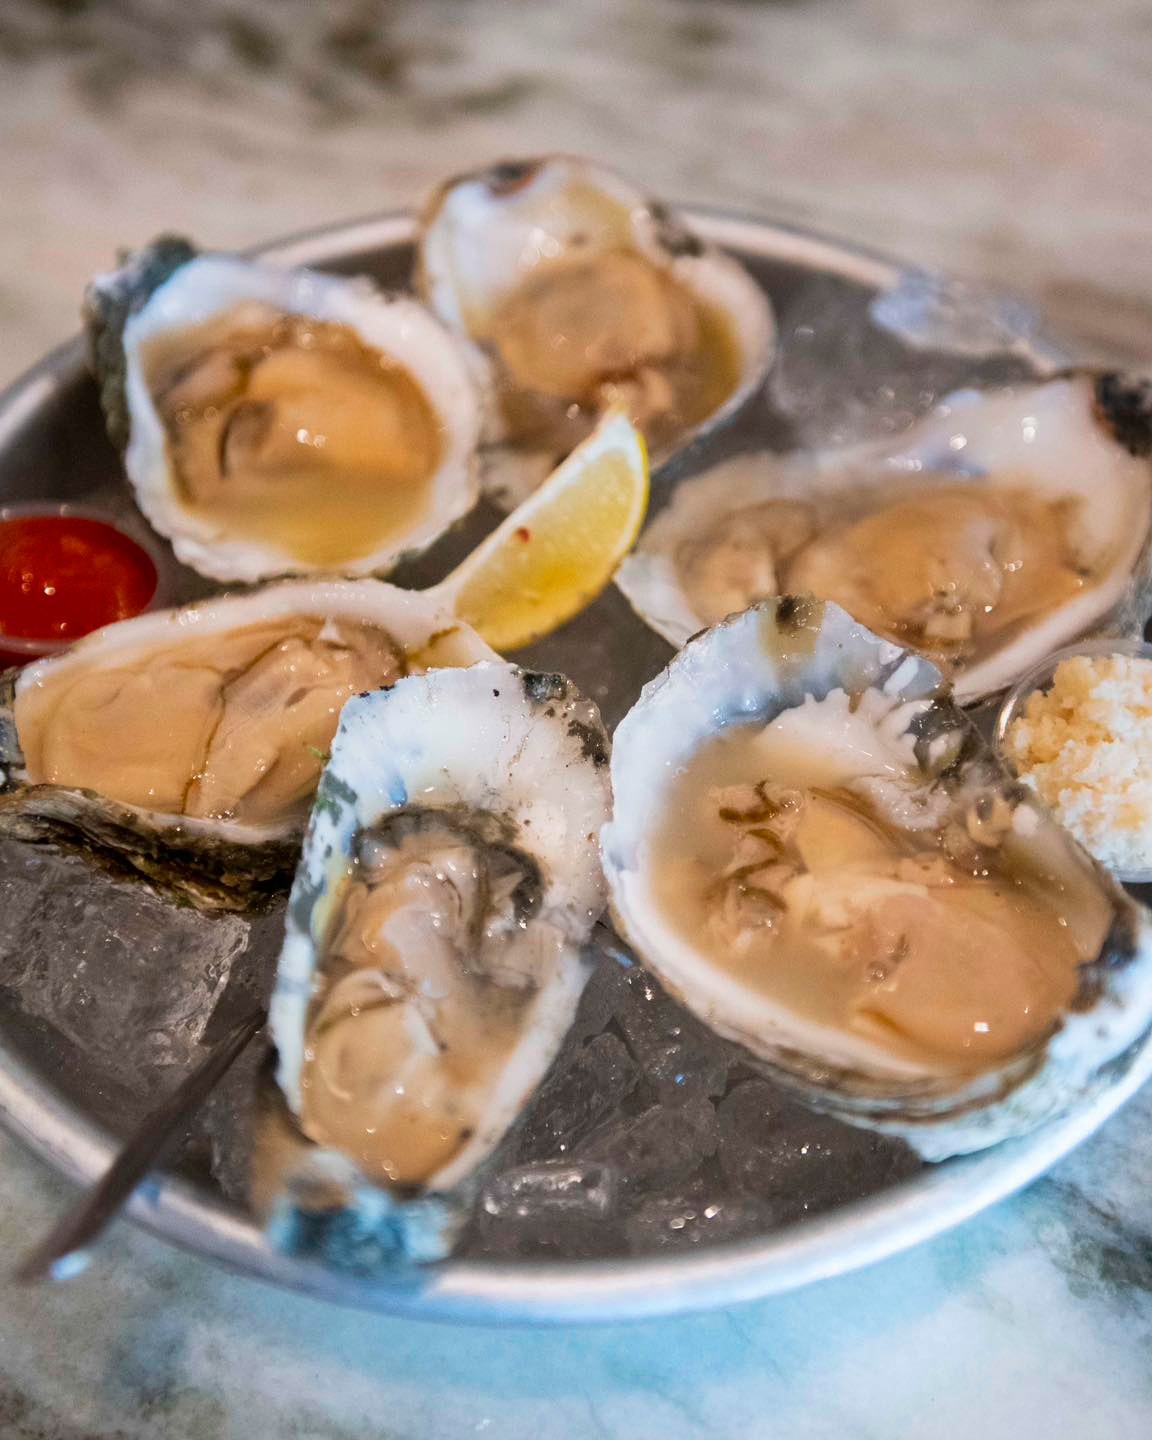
point(281, 422)
point(434, 950)
point(578, 293)
point(187, 744)
point(815, 850)
point(1001, 527)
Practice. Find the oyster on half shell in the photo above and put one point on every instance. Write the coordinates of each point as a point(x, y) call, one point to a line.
point(815, 850)
point(434, 951)
point(279, 422)
point(1002, 526)
point(187, 744)
point(578, 293)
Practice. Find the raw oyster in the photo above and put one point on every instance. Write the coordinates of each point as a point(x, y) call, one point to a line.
point(1001, 527)
point(434, 951)
point(816, 851)
point(580, 293)
point(188, 743)
point(281, 422)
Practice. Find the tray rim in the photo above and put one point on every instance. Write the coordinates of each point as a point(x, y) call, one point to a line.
point(36, 1113)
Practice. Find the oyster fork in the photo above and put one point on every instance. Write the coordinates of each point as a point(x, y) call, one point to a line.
point(62, 1252)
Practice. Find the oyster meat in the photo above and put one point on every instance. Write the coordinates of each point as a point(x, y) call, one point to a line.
point(281, 422)
point(579, 293)
point(815, 850)
point(189, 743)
point(434, 951)
point(1003, 526)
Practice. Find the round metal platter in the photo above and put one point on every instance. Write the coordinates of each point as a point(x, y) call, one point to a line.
point(52, 446)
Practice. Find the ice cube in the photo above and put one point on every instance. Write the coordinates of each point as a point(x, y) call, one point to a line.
point(551, 1190)
point(24, 873)
point(601, 994)
point(680, 1058)
point(798, 1161)
point(586, 1084)
point(855, 366)
point(929, 311)
point(226, 1127)
point(555, 1209)
point(658, 1146)
point(128, 978)
point(675, 1222)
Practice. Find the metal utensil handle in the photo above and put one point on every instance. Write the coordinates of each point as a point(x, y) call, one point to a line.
point(103, 1201)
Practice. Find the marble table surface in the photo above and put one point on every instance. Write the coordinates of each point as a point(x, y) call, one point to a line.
point(1004, 141)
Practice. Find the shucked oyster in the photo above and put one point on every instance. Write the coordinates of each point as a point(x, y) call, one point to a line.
point(814, 849)
point(434, 951)
point(188, 743)
point(1004, 526)
point(281, 422)
point(580, 293)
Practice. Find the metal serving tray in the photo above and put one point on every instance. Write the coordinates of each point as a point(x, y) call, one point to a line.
point(52, 446)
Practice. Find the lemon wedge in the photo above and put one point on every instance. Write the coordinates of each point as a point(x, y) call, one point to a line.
point(555, 553)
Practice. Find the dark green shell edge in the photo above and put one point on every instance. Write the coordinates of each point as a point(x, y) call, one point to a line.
point(1124, 403)
point(109, 302)
point(190, 869)
point(11, 755)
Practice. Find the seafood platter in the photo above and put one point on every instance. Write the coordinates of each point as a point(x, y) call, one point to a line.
point(616, 684)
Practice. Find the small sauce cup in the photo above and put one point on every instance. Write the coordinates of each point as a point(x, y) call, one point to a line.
point(66, 570)
point(1040, 678)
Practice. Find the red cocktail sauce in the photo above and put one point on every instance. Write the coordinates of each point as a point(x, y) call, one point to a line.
point(64, 575)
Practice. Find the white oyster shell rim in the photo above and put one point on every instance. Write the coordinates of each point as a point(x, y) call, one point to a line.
point(729, 674)
point(396, 325)
point(410, 617)
point(466, 263)
point(679, 711)
point(472, 241)
point(1050, 427)
point(530, 756)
